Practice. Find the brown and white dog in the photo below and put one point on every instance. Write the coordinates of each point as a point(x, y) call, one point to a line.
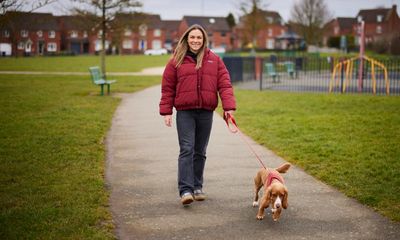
point(275, 191)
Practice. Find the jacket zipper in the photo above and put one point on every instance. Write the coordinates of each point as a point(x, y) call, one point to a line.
point(198, 90)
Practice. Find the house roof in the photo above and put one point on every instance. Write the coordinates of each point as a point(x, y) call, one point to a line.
point(370, 15)
point(30, 21)
point(75, 22)
point(267, 15)
point(346, 22)
point(208, 23)
point(289, 35)
point(276, 17)
point(152, 21)
point(171, 25)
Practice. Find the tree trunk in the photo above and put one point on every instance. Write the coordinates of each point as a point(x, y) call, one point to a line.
point(103, 41)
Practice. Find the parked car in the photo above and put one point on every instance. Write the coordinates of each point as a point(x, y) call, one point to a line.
point(161, 51)
point(218, 50)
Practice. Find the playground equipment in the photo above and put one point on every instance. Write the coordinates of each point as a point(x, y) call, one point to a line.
point(346, 68)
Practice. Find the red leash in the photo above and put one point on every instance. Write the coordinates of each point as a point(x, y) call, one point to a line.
point(234, 129)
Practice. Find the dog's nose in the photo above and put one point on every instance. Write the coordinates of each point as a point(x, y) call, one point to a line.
point(278, 205)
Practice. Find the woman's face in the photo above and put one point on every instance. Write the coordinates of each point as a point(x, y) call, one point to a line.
point(195, 40)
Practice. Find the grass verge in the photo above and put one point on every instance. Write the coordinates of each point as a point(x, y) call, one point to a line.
point(348, 141)
point(52, 156)
point(125, 63)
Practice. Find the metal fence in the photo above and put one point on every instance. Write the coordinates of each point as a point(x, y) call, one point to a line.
point(315, 74)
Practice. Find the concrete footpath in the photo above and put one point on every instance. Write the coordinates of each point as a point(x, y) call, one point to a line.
point(141, 173)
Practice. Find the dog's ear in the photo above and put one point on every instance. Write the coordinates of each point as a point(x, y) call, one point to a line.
point(268, 194)
point(285, 199)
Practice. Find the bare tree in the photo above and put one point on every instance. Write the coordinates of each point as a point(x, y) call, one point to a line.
point(17, 5)
point(10, 17)
point(309, 17)
point(104, 12)
point(253, 20)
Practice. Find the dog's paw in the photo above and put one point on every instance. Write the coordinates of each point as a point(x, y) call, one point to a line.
point(260, 217)
point(255, 204)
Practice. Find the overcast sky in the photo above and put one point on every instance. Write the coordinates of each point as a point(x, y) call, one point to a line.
point(175, 9)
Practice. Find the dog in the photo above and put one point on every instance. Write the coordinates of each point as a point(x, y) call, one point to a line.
point(275, 191)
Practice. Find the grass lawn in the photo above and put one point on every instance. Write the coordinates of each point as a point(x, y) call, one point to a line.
point(348, 141)
point(52, 156)
point(125, 63)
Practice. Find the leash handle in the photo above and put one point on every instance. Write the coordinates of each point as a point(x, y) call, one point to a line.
point(230, 119)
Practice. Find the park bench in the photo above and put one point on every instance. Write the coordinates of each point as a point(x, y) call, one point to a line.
point(97, 78)
point(270, 71)
point(290, 68)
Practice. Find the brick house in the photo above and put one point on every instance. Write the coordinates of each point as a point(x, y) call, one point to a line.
point(217, 28)
point(337, 27)
point(26, 34)
point(380, 23)
point(171, 28)
point(75, 35)
point(139, 31)
point(266, 38)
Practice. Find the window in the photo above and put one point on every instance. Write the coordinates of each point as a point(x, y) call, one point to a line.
point(39, 33)
point(223, 34)
point(24, 33)
point(52, 47)
point(142, 30)
point(270, 20)
point(156, 44)
point(52, 34)
point(379, 18)
point(73, 34)
point(157, 32)
point(85, 35)
point(336, 30)
point(127, 44)
point(378, 29)
point(270, 43)
point(359, 19)
point(127, 32)
point(269, 32)
point(21, 45)
point(6, 33)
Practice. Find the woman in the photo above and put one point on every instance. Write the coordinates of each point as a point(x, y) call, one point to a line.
point(191, 82)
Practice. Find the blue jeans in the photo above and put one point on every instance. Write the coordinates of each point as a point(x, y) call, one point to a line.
point(194, 128)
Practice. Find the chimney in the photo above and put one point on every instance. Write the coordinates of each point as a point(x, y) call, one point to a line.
point(394, 8)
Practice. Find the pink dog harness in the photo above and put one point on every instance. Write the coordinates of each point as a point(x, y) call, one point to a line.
point(273, 174)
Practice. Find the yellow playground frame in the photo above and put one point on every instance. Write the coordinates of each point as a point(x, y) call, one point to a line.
point(347, 66)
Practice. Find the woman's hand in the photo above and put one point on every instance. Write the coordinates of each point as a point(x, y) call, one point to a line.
point(228, 112)
point(168, 120)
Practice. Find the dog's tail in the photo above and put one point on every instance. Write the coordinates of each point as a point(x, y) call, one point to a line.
point(283, 168)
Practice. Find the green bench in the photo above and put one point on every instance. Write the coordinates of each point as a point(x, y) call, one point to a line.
point(97, 78)
point(270, 71)
point(290, 68)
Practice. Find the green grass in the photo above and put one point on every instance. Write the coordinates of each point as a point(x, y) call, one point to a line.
point(348, 141)
point(53, 156)
point(126, 63)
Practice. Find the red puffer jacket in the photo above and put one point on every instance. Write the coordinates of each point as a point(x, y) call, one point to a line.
point(187, 88)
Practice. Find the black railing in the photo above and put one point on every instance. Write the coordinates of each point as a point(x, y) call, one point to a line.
point(315, 74)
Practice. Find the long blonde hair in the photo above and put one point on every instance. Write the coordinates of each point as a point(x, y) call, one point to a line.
point(183, 45)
